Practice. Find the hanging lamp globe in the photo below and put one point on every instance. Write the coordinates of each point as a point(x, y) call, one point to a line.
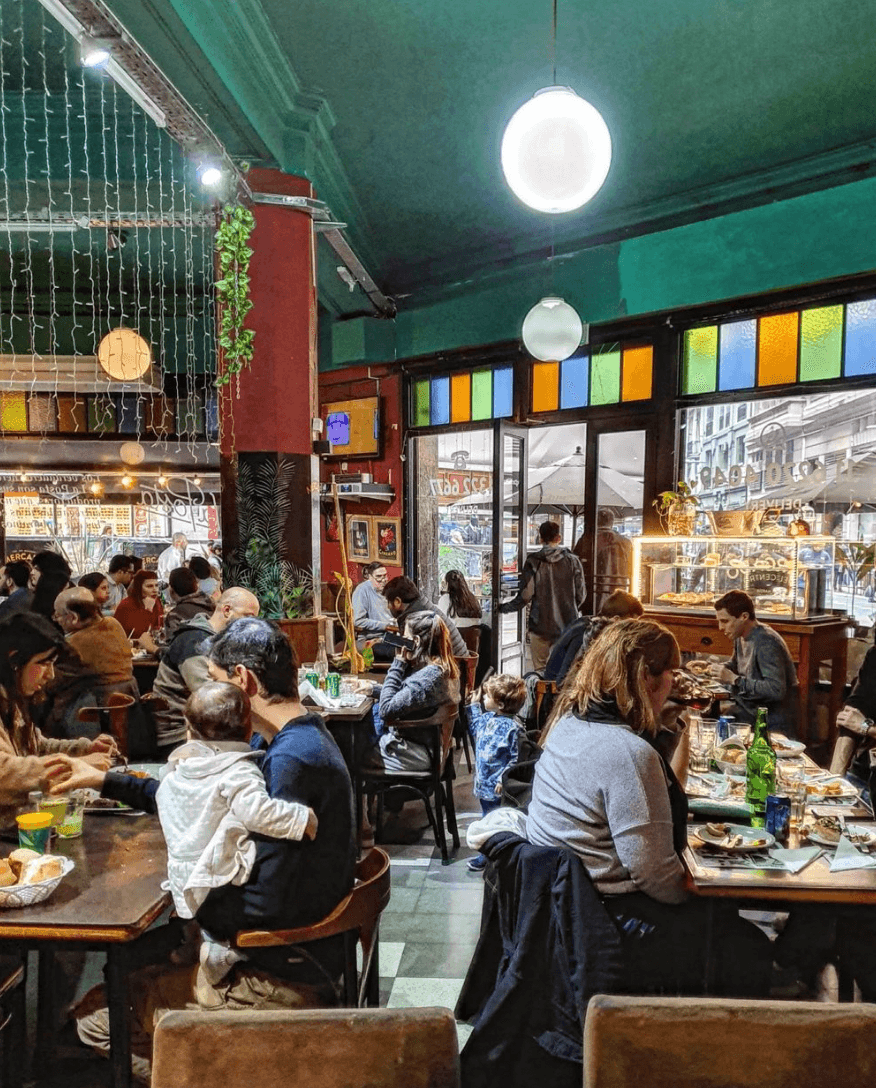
point(556, 151)
point(552, 330)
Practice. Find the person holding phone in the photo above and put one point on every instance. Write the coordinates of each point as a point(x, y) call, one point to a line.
point(422, 678)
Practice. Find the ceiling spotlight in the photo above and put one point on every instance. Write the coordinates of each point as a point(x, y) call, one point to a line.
point(96, 488)
point(162, 480)
point(24, 477)
point(209, 174)
point(197, 481)
point(128, 480)
point(93, 52)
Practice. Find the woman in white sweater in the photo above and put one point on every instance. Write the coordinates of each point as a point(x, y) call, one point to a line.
point(603, 790)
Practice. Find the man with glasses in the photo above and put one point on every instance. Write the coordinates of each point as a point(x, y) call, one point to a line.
point(371, 613)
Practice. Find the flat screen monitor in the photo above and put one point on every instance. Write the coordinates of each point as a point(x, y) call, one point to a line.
point(352, 427)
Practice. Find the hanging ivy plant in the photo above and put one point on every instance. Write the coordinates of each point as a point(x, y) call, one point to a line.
point(232, 290)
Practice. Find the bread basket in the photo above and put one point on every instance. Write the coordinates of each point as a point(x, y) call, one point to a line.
point(26, 895)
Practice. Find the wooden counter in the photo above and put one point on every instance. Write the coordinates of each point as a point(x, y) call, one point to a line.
point(810, 642)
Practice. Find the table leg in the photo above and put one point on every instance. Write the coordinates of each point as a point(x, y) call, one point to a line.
point(119, 1014)
point(45, 1019)
point(709, 967)
point(805, 679)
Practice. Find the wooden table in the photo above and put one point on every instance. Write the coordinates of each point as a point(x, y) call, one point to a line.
point(351, 728)
point(809, 643)
point(145, 670)
point(108, 901)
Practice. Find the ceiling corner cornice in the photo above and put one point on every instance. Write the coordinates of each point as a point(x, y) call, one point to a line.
point(295, 123)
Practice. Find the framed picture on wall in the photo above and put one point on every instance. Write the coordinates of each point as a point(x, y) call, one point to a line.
point(385, 540)
point(359, 539)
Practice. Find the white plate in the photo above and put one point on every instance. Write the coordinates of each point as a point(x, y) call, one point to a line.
point(788, 749)
point(753, 838)
point(813, 792)
point(856, 829)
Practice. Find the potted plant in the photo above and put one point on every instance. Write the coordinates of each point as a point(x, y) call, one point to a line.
point(677, 510)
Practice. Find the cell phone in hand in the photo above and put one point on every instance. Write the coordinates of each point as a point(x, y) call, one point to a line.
point(393, 638)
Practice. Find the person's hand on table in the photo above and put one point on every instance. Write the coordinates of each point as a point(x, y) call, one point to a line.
point(101, 760)
point(104, 744)
point(147, 642)
point(79, 775)
point(57, 770)
point(364, 687)
point(721, 673)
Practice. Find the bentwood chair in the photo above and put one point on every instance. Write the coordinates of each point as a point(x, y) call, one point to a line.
point(357, 917)
point(12, 1022)
point(467, 668)
point(112, 718)
point(316, 1048)
point(700, 1042)
point(436, 735)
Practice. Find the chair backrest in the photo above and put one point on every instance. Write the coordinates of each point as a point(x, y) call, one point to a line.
point(444, 717)
point(672, 1042)
point(467, 669)
point(114, 714)
point(319, 1048)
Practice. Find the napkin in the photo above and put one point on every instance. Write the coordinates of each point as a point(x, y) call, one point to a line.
point(795, 860)
point(306, 690)
point(848, 856)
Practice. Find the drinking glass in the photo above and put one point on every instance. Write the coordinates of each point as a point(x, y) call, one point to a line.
point(741, 731)
point(348, 686)
point(794, 785)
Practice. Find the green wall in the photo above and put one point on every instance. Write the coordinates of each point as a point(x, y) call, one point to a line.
point(808, 238)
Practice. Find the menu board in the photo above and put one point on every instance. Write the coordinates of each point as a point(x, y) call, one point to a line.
point(29, 516)
point(26, 516)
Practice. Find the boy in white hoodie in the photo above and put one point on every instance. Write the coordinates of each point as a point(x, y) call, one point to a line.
point(211, 798)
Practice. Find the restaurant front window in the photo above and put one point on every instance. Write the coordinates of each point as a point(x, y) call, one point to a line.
point(800, 464)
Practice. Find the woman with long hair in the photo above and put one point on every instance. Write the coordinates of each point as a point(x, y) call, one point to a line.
point(603, 790)
point(460, 604)
point(29, 646)
point(141, 610)
point(419, 682)
point(97, 582)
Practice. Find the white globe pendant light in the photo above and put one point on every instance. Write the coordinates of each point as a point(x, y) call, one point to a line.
point(556, 151)
point(552, 330)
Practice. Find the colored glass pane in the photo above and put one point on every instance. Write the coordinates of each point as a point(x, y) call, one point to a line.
point(440, 408)
point(189, 416)
point(575, 381)
point(212, 417)
point(482, 394)
point(605, 378)
point(460, 398)
point(637, 373)
point(421, 403)
point(127, 414)
point(699, 372)
point(71, 414)
point(545, 387)
point(101, 414)
point(738, 355)
point(13, 412)
point(503, 392)
point(42, 412)
point(821, 343)
point(777, 349)
point(860, 338)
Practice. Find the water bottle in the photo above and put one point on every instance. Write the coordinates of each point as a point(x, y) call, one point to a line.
point(321, 665)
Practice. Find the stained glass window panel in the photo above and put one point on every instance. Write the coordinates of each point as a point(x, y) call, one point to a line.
point(421, 403)
point(821, 343)
point(738, 355)
point(860, 338)
point(503, 392)
point(605, 378)
point(13, 412)
point(72, 417)
point(575, 381)
point(42, 412)
point(212, 416)
point(777, 349)
point(190, 417)
point(440, 409)
point(128, 414)
point(101, 414)
point(545, 387)
point(699, 371)
point(638, 370)
point(460, 398)
point(481, 394)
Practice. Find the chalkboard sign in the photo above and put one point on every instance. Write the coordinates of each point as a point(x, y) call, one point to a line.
point(764, 580)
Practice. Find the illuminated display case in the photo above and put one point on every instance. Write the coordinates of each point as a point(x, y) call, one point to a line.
point(787, 578)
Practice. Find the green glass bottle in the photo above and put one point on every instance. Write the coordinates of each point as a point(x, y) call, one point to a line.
point(760, 769)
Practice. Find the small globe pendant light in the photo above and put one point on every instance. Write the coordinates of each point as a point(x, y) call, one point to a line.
point(556, 151)
point(552, 330)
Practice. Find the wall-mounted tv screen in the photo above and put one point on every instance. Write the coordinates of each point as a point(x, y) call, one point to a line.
point(352, 427)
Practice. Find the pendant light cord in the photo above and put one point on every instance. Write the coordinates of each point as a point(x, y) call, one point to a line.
point(554, 48)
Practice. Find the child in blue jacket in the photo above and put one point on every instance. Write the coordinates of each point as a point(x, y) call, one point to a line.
point(495, 732)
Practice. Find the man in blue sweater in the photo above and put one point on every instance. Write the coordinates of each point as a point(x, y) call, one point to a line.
point(291, 884)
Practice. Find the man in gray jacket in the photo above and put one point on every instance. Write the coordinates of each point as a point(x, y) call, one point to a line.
point(552, 582)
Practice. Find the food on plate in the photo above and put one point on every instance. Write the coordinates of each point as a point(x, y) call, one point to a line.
point(102, 802)
point(756, 842)
point(45, 867)
point(782, 744)
point(732, 754)
point(716, 829)
point(7, 876)
point(832, 788)
point(19, 858)
point(698, 667)
point(826, 827)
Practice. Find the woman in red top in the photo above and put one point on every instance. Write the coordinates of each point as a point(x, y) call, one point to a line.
point(141, 610)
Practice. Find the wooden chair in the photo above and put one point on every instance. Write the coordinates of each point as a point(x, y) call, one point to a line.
point(112, 718)
point(357, 917)
point(12, 1022)
point(467, 668)
point(316, 1048)
point(546, 692)
point(436, 734)
point(673, 1042)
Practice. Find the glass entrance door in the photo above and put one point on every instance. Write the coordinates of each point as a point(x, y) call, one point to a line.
point(620, 487)
point(509, 546)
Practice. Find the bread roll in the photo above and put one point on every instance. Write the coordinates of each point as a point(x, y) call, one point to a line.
point(44, 868)
point(7, 877)
point(20, 857)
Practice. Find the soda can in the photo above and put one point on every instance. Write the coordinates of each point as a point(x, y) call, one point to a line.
point(333, 685)
point(723, 730)
point(778, 817)
point(312, 677)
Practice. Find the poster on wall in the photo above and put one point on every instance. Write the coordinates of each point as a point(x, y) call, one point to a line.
point(352, 427)
point(359, 539)
point(385, 540)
